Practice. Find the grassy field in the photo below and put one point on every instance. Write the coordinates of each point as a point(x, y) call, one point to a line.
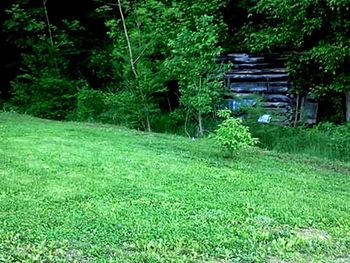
point(72, 192)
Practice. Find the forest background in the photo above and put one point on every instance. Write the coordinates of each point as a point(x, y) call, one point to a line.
point(152, 65)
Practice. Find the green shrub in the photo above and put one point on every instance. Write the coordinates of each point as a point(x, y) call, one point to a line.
point(232, 135)
point(49, 95)
point(170, 122)
point(90, 104)
point(121, 109)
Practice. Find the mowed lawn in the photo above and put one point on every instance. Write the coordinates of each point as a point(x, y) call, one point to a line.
point(73, 192)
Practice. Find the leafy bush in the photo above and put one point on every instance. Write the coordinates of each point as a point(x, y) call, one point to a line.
point(90, 104)
point(122, 109)
point(45, 85)
point(232, 135)
point(49, 95)
point(119, 108)
point(172, 122)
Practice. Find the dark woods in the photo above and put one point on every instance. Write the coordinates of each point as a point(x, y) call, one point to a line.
point(151, 64)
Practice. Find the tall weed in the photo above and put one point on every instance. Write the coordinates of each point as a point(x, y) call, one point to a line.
point(325, 140)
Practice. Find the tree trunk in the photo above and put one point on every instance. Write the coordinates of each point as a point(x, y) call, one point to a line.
point(133, 68)
point(200, 125)
point(132, 61)
point(186, 120)
point(301, 111)
point(50, 33)
point(296, 112)
point(48, 22)
point(347, 95)
point(148, 124)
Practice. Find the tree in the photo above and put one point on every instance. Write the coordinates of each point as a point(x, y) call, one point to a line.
point(126, 65)
point(319, 33)
point(140, 34)
point(43, 87)
point(137, 34)
point(193, 63)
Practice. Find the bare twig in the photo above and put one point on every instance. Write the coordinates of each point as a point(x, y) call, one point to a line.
point(141, 53)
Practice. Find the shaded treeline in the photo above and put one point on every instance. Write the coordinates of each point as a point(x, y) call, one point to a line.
point(150, 64)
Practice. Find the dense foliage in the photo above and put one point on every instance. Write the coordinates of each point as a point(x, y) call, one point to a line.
point(318, 35)
point(192, 63)
point(127, 75)
point(42, 87)
point(147, 63)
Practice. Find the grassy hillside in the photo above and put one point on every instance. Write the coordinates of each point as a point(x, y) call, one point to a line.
point(72, 192)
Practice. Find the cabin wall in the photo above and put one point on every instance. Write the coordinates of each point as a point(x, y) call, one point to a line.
point(263, 75)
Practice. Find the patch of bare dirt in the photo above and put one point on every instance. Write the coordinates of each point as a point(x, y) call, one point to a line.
point(275, 260)
point(312, 234)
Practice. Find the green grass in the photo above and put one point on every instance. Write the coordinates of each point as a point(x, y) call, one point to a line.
point(73, 192)
point(326, 140)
